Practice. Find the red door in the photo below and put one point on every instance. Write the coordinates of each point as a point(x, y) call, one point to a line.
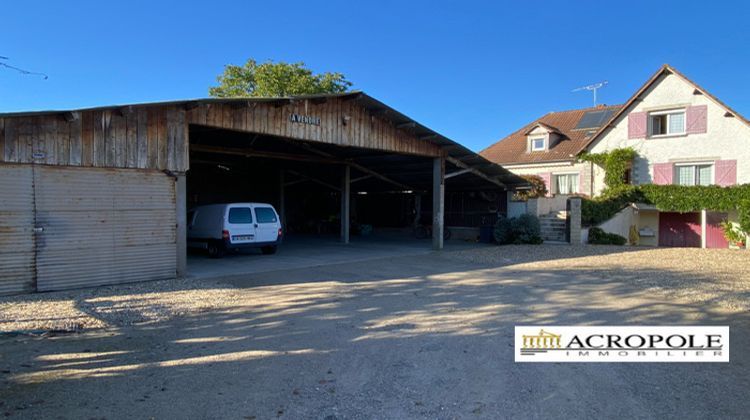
point(714, 234)
point(680, 229)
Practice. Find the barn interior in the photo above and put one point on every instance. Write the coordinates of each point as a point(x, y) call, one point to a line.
point(390, 193)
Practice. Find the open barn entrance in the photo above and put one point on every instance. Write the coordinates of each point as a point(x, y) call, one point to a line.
point(390, 195)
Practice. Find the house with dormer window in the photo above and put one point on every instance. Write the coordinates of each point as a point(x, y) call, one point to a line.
point(549, 146)
point(682, 135)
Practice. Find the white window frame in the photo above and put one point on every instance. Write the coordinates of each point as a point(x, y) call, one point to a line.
point(694, 165)
point(553, 181)
point(534, 139)
point(668, 113)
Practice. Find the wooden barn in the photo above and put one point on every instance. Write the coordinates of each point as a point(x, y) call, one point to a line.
point(100, 196)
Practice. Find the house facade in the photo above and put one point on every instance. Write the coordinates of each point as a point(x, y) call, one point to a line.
point(682, 135)
point(549, 147)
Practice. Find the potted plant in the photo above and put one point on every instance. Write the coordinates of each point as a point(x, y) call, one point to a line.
point(734, 236)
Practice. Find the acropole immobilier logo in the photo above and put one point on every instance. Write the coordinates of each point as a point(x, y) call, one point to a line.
point(621, 343)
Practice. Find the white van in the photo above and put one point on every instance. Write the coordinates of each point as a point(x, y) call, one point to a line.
point(222, 227)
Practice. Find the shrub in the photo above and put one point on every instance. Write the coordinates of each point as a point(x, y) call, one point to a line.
point(744, 215)
point(526, 229)
point(518, 230)
point(502, 232)
point(600, 237)
point(732, 233)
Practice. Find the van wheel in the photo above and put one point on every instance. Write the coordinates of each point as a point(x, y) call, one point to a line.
point(215, 250)
point(268, 250)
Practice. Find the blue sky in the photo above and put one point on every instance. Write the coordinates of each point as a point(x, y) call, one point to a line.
point(474, 71)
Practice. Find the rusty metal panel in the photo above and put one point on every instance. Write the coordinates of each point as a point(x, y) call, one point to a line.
point(17, 269)
point(103, 226)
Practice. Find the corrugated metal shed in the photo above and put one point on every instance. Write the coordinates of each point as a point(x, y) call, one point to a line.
point(17, 262)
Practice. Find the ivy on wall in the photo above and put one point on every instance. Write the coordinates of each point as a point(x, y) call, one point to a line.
point(678, 198)
point(615, 163)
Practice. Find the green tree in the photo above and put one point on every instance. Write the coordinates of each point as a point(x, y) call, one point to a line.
point(280, 79)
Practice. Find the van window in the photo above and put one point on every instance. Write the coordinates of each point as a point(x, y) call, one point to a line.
point(190, 216)
point(265, 215)
point(240, 215)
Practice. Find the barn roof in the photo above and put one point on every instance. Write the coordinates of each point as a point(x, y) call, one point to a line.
point(456, 153)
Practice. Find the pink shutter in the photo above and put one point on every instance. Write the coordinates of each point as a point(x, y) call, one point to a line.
point(637, 125)
point(696, 119)
point(663, 173)
point(547, 178)
point(725, 172)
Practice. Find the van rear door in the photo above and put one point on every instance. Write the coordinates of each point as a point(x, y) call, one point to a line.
point(240, 225)
point(268, 224)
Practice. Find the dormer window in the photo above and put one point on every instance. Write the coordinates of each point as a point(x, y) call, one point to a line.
point(537, 144)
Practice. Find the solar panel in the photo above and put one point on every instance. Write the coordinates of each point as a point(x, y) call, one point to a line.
point(594, 119)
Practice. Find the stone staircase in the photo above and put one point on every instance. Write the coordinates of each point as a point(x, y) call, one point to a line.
point(552, 226)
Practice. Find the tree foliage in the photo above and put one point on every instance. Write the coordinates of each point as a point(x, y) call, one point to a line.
point(538, 188)
point(270, 79)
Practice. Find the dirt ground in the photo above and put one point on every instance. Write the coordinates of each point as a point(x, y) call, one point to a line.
point(426, 337)
point(719, 277)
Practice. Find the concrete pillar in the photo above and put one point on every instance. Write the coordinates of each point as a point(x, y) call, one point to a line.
point(282, 200)
point(181, 214)
point(345, 201)
point(532, 206)
point(575, 220)
point(438, 202)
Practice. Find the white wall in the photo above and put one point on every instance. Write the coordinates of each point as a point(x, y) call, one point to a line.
point(726, 137)
point(581, 168)
point(620, 223)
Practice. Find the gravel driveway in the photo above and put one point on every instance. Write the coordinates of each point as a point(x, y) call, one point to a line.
point(718, 277)
point(426, 337)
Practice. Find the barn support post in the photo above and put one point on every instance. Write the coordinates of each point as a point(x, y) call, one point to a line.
point(438, 202)
point(345, 202)
point(181, 216)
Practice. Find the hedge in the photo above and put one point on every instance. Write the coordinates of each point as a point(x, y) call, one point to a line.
point(677, 198)
point(600, 237)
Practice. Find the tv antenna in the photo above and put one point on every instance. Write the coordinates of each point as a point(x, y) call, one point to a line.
point(22, 71)
point(593, 88)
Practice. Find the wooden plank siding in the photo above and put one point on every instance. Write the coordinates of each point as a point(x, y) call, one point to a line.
point(146, 137)
point(361, 129)
point(156, 136)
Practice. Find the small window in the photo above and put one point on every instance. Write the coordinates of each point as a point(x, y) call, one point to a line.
point(627, 176)
point(566, 184)
point(240, 215)
point(693, 175)
point(265, 215)
point(667, 123)
point(537, 144)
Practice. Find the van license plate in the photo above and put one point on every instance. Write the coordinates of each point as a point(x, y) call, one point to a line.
point(242, 237)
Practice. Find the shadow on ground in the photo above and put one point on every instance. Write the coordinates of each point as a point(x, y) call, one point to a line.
point(393, 338)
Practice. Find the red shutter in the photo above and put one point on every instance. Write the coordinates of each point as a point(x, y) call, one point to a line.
point(547, 177)
point(637, 125)
point(663, 173)
point(696, 119)
point(725, 172)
